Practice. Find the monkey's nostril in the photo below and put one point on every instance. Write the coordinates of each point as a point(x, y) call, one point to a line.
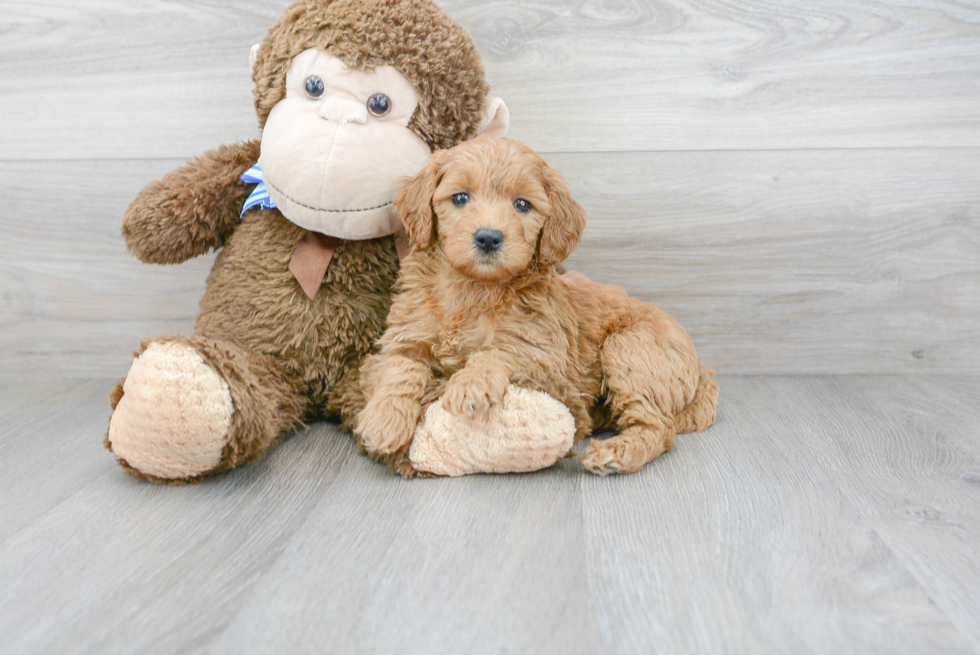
point(488, 240)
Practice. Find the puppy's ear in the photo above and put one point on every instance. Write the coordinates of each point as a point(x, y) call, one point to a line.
point(563, 229)
point(414, 202)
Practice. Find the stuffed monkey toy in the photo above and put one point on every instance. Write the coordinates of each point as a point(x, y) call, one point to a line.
point(351, 97)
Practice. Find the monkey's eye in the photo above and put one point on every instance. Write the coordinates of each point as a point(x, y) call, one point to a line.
point(522, 205)
point(379, 104)
point(461, 199)
point(314, 87)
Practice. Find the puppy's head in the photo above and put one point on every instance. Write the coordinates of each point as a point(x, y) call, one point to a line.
point(494, 207)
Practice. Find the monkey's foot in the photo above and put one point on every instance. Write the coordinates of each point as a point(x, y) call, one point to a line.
point(174, 417)
point(526, 431)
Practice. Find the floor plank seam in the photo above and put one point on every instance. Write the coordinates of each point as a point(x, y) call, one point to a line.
point(886, 539)
point(97, 479)
point(256, 582)
point(177, 159)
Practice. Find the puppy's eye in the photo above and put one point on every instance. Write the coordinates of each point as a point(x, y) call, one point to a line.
point(461, 199)
point(379, 104)
point(314, 87)
point(522, 205)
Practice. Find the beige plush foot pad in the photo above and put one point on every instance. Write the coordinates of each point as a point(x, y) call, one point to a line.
point(173, 419)
point(527, 431)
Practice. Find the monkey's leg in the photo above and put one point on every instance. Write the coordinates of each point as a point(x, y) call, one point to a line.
point(649, 377)
point(526, 430)
point(498, 415)
point(397, 404)
point(193, 406)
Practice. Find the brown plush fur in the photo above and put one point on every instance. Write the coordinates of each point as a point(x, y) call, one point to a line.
point(465, 324)
point(281, 353)
point(193, 209)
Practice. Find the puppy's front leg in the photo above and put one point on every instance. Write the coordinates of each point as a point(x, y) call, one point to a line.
point(478, 385)
point(389, 418)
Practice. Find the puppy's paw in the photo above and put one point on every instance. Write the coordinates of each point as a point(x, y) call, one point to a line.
point(623, 453)
point(387, 424)
point(399, 463)
point(471, 392)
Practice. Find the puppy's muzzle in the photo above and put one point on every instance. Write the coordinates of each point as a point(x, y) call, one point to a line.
point(488, 241)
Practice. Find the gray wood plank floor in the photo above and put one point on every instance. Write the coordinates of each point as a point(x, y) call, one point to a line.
point(820, 514)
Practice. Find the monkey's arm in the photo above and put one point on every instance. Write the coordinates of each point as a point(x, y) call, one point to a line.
point(193, 209)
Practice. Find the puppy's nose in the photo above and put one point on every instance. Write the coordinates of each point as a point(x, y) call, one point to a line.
point(488, 240)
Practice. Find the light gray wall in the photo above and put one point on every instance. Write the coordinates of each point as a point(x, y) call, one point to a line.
point(798, 183)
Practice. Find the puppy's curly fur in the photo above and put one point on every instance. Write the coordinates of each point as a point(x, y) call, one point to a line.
point(469, 321)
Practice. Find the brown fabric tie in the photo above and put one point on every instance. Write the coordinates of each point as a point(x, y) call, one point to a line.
point(402, 246)
point(313, 254)
point(311, 259)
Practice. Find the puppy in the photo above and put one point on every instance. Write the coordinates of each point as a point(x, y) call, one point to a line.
point(481, 306)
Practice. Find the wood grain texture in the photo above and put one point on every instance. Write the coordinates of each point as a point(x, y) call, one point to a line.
point(909, 456)
point(473, 565)
point(766, 540)
point(104, 79)
point(120, 566)
point(795, 262)
point(47, 456)
point(824, 515)
point(775, 262)
point(72, 297)
point(963, 391)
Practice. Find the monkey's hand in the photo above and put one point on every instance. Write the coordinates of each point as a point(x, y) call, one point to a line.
point(193, 209)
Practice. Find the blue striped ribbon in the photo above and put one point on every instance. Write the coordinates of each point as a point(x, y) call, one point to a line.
point(259, 195)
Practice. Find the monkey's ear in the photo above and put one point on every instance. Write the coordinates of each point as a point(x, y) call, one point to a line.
point(562, 229)
point(496, 119)
point(252, 54)
point(414, 202)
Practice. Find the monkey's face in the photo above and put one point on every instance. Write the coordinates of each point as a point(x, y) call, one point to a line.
point(334, 149)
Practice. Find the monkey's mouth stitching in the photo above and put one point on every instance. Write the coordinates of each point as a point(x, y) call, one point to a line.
point(321, 209)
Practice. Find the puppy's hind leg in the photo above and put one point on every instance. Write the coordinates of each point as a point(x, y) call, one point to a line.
point(651, 373)
point(701, 411)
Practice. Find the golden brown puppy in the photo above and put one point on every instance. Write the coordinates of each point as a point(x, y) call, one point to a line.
point(481, 306)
